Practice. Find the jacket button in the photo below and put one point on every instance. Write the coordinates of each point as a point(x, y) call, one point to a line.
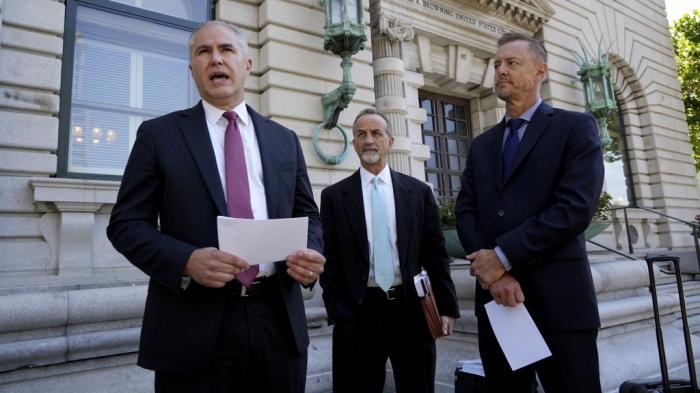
point(501, 213)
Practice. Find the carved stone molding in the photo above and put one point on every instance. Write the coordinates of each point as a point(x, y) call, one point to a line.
point(395, 29)
point(531, 14)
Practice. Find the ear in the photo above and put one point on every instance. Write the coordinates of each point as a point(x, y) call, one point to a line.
point(542, 71)
point(391, 141)
point(248, 64)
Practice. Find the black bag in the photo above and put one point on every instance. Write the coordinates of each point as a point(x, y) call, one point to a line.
point(665, 385)
point(469, 383)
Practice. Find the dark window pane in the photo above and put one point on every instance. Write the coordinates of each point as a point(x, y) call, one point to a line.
point(433, 179)
point(456, 184)
point(427, 105)
point(460, 112)
point(195, 10)
point(452, 146)
point(428, 125)
point(449, 110)
point(462, 162)
point(461, 128)
point(463, 146)
point(432, 161)
point(430, 141)
point(454, 162)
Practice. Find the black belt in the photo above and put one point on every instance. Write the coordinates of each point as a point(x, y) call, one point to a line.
point(258, 288)
point(394, 293)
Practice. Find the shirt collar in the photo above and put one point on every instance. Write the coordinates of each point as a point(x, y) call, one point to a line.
point(527, 115)
point(214, 114)
point(367, 176)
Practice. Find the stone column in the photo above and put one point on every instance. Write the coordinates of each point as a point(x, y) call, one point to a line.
point(387, 35)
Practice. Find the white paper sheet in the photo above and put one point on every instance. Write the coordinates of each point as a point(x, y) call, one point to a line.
point(520, 340)
point(472, 366)
point(422, 282)
point(262, 241)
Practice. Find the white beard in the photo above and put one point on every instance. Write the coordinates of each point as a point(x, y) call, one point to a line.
point(370, 157)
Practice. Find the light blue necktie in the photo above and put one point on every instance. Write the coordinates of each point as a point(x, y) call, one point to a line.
point(383, 264)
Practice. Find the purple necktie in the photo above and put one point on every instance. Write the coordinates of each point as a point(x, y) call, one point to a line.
point(237, 189)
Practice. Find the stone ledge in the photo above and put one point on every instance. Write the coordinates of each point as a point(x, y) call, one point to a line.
point(55, 309)
point(74, 194)
point(55, 350)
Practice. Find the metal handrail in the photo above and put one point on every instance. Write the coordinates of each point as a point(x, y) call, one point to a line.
point(612, 250)
point(695, 227)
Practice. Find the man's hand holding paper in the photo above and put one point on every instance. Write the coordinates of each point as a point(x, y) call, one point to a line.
point(305, 266)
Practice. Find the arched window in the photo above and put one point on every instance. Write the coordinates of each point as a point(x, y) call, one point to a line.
point(618, 175)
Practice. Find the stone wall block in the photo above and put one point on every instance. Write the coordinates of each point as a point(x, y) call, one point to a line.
point(30, 70)
point(32, 353)
point(39, 42)
point(43, 15)
point(16, 98)
point(240, 14)
point(23, 130)
point(15, 194)
point(106, 304)
point(27, 162)
point(104, 343)
point(288, 14)
point(33, 311)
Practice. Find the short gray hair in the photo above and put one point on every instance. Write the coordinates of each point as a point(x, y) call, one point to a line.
point(534, 45)
point(236, 31)
point(373, 111)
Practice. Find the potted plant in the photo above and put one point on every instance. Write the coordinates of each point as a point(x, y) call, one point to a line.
point(449, 231)
point(601, 219)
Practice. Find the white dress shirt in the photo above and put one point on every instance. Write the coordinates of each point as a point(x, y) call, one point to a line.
point(387, 191)
point(217, 123)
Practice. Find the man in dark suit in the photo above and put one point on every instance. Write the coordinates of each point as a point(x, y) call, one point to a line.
point(380, 229)
point(214, 323)
point(529, 190)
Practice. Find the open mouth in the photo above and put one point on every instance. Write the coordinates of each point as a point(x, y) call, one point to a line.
point(218, 76)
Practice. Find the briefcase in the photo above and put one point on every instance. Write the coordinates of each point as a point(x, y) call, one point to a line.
point(427, 303)
point(664, 384)
point(469, 383)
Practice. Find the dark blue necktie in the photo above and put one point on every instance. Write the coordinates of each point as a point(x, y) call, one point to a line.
point(511, 145)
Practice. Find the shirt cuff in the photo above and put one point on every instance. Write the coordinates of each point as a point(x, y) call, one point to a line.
point(185, 282)
point(504, 259)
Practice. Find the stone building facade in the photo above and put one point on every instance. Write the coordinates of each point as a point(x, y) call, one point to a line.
point(70, 306)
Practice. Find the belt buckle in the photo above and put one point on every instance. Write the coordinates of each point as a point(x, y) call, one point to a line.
point(391, 294)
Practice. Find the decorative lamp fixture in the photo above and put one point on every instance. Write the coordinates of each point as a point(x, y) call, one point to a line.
point(344, 36)
point(594, 74)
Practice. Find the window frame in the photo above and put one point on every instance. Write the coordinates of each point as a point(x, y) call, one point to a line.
point(441, 137)
point(67, 68)
point(621, 129)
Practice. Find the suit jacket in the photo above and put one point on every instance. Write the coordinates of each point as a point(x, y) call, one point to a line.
point(419, 241)
point(538, 212)
point(167, 206)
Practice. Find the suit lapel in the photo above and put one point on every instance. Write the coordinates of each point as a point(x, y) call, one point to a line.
point(355, 212)
point(404, 215)
point(193, 127)
point(269, 157)
point(537, 125)
point(497, 151)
